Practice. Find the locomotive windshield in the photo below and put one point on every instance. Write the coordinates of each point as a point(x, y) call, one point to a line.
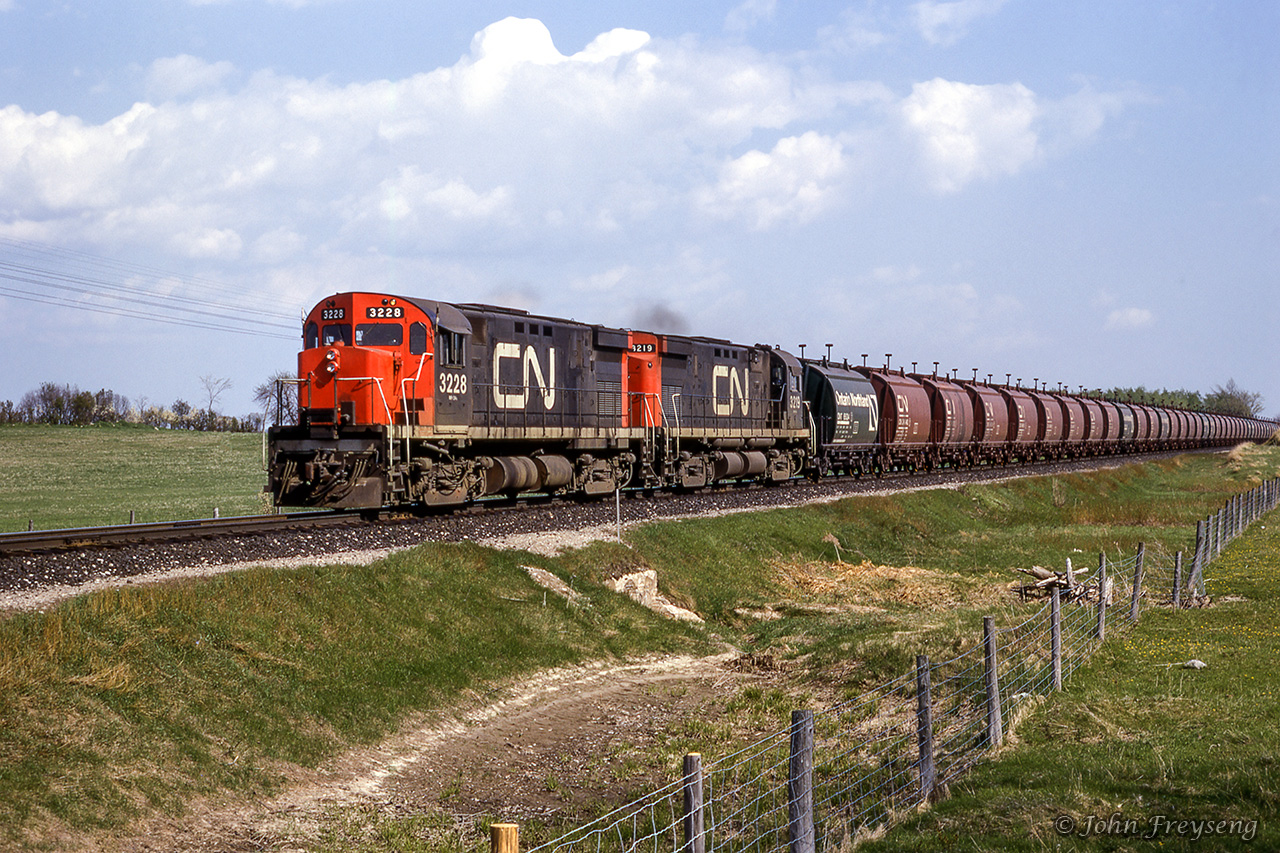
point(379, 335)
point(338, 333)
point(418, 338)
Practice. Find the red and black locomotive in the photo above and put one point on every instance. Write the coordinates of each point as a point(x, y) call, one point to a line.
point(405, 401)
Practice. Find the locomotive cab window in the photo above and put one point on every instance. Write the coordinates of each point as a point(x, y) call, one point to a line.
point(379, 335)
point(337, 333)
point(311, 338)
point(417, 338)
point(450, 350)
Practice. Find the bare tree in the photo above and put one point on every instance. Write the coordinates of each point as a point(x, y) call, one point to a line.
point(1231, 399)
point(278, 397)
point(214, 387)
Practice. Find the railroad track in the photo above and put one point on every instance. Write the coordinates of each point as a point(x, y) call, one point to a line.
point(90, 538)
point(75, 538)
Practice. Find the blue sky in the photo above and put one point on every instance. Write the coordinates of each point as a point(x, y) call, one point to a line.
point(1083, 192)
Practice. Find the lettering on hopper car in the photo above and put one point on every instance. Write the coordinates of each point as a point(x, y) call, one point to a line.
point(846, 400)
point(529, 365)
point(737, 389)
point(905, 427)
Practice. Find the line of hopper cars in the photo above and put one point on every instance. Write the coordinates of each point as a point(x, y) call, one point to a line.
point(405, 401)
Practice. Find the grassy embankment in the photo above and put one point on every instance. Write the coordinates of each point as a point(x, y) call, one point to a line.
point(54, 477)
point(131, 702)
point(1139, 753)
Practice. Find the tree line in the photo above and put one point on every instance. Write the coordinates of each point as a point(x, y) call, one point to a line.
point(68, 405)
point(1229, 399)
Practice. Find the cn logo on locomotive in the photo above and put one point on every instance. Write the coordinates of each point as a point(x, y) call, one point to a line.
point(529, 364)
point(737, 389)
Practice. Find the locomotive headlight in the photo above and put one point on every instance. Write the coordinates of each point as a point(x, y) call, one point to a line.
point(331, 355)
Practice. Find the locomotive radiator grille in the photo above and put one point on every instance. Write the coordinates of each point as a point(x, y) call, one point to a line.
point(610, 398)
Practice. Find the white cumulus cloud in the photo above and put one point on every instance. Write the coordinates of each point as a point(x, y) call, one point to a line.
point(185, 75)
point(945, 23)
point(795, 181)
point(517, 146)
point(967, 131)
point(747, 14)
point(413, 192)
point(1130, 318)
point(514, 142)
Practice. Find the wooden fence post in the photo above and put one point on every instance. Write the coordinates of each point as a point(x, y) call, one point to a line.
point(800, 783)
point(1217, 531)
point(924, 729)
point(1055, 636)
point(1137, 583)
point(1177, 580)
point(1212, 533)
point(504, 838)
point(1198, 561)
point(694, 825)
point(1102, 598)
point(995, 721)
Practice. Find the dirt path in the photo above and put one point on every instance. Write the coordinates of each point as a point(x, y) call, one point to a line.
point(554, 745)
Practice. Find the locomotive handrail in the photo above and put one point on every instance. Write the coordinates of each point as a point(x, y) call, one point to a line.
point(813, 428)
point(375, 380)
point(404, 397)
point(675, 406)
point(280, 383)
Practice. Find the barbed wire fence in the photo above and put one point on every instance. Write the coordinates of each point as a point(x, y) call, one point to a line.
point(853, 770)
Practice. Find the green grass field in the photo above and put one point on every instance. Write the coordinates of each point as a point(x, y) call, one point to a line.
point(53, 477)
point(1138, 753)
point(119, 705)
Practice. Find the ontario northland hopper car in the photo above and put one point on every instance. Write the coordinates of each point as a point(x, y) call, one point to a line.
point(405, 401)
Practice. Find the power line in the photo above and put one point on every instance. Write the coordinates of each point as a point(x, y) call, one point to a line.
point(55, 276)
point(141, 315)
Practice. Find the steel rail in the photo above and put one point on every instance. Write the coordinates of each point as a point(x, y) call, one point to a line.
point(73, 538)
